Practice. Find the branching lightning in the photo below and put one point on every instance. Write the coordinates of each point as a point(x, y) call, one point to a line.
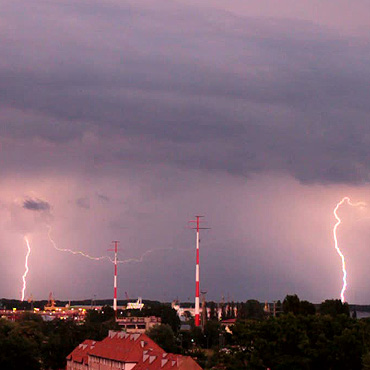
point(75, 252)
point(26, 267)
point(140, 259)
point(339, 221)
point(129, 260)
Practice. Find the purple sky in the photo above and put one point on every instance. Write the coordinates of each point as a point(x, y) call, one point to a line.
point(121, 120)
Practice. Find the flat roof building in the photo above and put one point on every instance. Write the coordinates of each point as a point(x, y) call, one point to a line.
point(133, 324)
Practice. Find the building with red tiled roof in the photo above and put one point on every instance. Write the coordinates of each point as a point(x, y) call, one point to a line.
point(79, 356)
point(126, 352)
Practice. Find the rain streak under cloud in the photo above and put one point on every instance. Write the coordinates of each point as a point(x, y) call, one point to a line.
point(122, 120)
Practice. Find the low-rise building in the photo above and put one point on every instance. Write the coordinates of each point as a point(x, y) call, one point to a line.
point(133, 324)
point(228, 324)
point(123, 351)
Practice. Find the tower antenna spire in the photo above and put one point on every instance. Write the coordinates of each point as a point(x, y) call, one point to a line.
point(197, 228)
point(115, 250)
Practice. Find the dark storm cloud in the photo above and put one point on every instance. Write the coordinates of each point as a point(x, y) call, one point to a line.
point(36, 205)
point(139, 111)
point(192, 88)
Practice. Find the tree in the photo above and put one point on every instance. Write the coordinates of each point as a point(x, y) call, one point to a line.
point(213, 311)
point(163, 335)
point(334, 307)
point(253, 309)
point(62, 337)
point(18, 351)
point(211, 333)
point(307, 308)
point(291, 304)
point(223, 312)
point(307, 342)
point(167, 314)
point(366, 361)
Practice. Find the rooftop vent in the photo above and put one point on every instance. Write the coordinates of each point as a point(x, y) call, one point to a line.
point(134, 336)
point(164, 362)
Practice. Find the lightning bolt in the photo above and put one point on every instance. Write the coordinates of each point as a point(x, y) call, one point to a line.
point(135, 260)
point(141, 258)
point(75, 252)
point(339, 221)
point(26, 267)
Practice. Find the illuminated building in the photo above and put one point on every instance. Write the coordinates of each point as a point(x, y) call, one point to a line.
point(138, 324)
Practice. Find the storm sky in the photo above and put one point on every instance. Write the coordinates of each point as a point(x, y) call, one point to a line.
point(121, 120)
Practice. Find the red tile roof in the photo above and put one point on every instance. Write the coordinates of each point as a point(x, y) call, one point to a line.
point(80, 353)
point(170, 361)
point(228, 321)
point(120, 346)
point(132, 348)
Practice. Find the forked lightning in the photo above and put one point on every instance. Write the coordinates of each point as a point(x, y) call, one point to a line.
point(339, 221)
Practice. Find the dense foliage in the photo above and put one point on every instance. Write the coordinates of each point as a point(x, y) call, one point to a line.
point(299, 338)
point(34, 344)
point(31, 343)
point(299, 342)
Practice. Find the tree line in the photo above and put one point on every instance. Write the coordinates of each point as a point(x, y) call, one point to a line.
point(297, 335)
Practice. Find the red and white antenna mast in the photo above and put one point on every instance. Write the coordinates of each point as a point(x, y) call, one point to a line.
point(197, 228)
point(115, 277)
